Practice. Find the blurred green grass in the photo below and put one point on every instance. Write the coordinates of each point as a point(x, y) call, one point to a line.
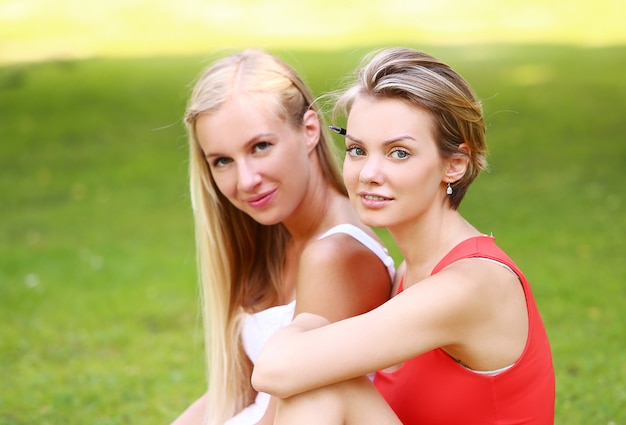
point(98, 305)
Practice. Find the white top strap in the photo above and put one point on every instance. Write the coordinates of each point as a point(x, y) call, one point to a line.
point(500, 263)
point(368, 241)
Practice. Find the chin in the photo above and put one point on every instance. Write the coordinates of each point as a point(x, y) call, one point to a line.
point(372, 221)
point(266, 219)
point(269, 222)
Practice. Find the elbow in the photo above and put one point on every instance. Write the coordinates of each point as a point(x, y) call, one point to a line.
point(267, 378)
point(260, 380)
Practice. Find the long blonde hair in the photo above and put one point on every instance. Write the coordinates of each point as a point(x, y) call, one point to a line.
point(240, 262)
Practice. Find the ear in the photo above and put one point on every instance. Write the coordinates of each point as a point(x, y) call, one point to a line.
point(457, 165)
point(311, 129)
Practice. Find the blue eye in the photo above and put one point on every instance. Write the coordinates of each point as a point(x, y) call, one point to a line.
point(400, 154)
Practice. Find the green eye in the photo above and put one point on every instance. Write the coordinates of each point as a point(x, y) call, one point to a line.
point(261, 146)
point(220, 162)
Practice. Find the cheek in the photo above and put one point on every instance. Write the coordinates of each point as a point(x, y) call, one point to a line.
point(350, 175)
point(225, 184)
point(290, 162)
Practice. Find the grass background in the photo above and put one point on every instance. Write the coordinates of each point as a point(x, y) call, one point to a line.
point(98, 305)
point(98, 302)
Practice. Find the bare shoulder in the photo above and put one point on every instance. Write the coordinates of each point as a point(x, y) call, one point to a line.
point(485, 313)
point(471, 287)
point(335, 247)
point(340, 271)
point(341, 253)
point(471, 292)
point(478, 275)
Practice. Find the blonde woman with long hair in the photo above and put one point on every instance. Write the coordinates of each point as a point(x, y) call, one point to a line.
point(275, 231)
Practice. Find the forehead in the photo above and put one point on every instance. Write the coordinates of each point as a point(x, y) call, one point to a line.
point(386, 118)
point(238, 120)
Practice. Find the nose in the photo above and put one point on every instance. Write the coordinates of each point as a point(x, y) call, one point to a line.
point(371, 171)
point(248, 176)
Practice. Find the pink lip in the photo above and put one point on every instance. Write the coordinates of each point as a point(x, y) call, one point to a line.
point(373, 200)
point(262, 200)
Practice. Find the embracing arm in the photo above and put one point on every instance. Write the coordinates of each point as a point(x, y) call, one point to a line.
point(312, 353)
point(444, 310)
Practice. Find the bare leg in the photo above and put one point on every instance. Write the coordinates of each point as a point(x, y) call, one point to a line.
point(353, 402)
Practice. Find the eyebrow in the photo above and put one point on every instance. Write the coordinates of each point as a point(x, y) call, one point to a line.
point(387, 142)
point(342, 131)
point(248, 145)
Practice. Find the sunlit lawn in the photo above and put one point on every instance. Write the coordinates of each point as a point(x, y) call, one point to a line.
point(98, 305)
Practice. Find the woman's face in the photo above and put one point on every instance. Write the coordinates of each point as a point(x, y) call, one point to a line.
point(392, 169)
point(257, 160)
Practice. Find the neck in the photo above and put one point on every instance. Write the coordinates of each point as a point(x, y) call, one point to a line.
point(425, 242)
point(321, 207)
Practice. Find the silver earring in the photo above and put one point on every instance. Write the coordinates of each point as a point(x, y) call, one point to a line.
point(449, 189)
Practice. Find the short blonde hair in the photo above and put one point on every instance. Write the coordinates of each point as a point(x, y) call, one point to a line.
point(423, 81)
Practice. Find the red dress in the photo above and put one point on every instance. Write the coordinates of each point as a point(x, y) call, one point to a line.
point(434, 389)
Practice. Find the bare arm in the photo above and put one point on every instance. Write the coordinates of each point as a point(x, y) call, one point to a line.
point(451, 309)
